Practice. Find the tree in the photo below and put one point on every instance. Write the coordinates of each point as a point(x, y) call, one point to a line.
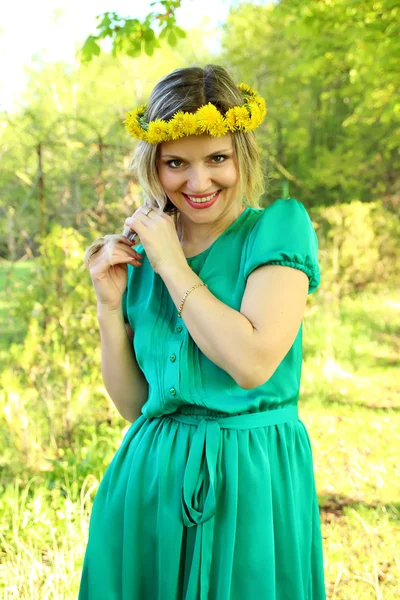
point(65, 154)
point(327, 70)
point(132, 36)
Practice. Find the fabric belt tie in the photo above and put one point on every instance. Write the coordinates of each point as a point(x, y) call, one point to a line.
point(200, 471)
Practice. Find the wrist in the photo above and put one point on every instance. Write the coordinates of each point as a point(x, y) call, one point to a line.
point(105, 311)
point(173, 270)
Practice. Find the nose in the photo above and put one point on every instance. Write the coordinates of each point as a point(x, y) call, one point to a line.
point(199, 180)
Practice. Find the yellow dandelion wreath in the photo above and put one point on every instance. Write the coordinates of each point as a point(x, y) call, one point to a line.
point(207, 119)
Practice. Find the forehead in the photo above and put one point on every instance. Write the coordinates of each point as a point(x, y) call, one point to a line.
point(196, 146)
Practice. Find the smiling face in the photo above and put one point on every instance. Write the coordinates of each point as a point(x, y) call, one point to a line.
point(199, 175)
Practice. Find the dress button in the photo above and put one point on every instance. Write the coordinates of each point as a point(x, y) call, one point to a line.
point(172, 391)
point(179, 328)
point(172, 358)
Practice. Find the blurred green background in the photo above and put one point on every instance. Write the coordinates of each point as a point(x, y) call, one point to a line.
point(328, 70)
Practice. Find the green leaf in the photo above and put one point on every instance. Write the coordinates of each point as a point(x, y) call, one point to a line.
point(180, 32)
point(131, 26)
point(148, 34)
point(149, 47)
point(89, 49)
point(105, 23)
point(172, 39)
point(133, 47)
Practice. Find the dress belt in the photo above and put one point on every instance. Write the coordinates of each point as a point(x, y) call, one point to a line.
point(200, 471)
point(206, 441)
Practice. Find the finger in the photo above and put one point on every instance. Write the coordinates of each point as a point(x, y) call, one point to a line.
point(118, 254)
point(127, 248)
point(143, 209)
point(127, 259)
point(124, 239)
point(123, 256)
point(103, 267)
point(134, 261)
point(136, 222)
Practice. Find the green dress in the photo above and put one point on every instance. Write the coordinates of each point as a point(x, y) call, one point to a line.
point(211, 495)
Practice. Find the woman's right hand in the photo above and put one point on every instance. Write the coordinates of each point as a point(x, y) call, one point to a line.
point(107, 260)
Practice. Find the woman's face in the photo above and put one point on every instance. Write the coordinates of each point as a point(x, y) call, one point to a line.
point(199, 174)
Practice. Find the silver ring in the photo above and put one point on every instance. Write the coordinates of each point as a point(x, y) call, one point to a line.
point(131, 235)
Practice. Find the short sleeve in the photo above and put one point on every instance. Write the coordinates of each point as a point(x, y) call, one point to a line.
point(284, 235)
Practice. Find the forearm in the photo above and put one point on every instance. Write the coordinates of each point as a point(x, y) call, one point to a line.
point(123, 379)
point(223, 334)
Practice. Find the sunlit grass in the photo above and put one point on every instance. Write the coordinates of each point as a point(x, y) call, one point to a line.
point(350, 404)
point(13, 277)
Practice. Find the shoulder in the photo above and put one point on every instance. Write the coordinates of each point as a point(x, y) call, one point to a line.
point(282, 210)
point(283, 234)
point(282, 220)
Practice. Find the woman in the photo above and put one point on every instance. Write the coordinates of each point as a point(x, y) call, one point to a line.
point(211, 494)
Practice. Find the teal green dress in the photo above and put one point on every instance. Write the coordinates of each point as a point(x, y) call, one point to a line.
point(211, 495)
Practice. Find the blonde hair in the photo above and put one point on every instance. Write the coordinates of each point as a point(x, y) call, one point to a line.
point(187, 89)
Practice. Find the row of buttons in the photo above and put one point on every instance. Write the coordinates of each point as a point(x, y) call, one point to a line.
point(172, 358)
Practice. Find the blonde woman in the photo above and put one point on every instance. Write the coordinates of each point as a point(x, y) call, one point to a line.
point(212, 493)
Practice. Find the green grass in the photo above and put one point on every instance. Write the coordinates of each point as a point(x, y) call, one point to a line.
point(350, 404)
point(13, 277)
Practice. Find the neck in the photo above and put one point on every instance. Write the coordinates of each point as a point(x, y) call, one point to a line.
point(198, 236)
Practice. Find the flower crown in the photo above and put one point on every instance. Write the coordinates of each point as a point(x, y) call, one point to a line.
point(206, 119)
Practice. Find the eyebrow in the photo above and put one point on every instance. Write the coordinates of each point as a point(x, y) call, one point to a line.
point(174, 156)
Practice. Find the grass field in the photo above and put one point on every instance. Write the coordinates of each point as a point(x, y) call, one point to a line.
point(350, 404)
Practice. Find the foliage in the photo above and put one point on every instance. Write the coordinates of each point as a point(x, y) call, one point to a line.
point(53, 382)
point(132, 36)
point(74, 114)
point(328, 72)
point(358, 247)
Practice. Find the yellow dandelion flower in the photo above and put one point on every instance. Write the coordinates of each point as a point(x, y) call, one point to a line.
point(207, 116)
point(260, 102)
point(132, 126)
point(182, 124)
point(255, 119)
point(243, 87)
point(157, 132)
point(176, 126)
point(190, 124)
point(230, 119)
point(219, 128)
point(242, 117)
point(141, 110)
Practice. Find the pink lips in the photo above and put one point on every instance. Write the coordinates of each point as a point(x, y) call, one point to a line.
point(202, 204)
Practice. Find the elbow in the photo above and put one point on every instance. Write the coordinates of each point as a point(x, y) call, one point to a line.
point(130, 417)
point(252, 383)
point(256, 374)
point(247, 385)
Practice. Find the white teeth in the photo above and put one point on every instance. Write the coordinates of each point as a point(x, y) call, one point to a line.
point(202, 200)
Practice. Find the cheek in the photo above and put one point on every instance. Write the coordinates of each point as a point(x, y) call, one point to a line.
point(168, 179)
point(230, 176)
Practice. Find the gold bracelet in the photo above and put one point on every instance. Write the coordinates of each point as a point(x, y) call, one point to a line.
point(187, 294)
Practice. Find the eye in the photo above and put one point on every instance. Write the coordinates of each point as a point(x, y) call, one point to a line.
point(219, 158)
point(171, 163)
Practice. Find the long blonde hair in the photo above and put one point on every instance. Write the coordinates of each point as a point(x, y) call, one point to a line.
point(187, 89)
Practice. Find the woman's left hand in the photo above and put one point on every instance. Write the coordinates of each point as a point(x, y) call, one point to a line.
point(157, 233)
